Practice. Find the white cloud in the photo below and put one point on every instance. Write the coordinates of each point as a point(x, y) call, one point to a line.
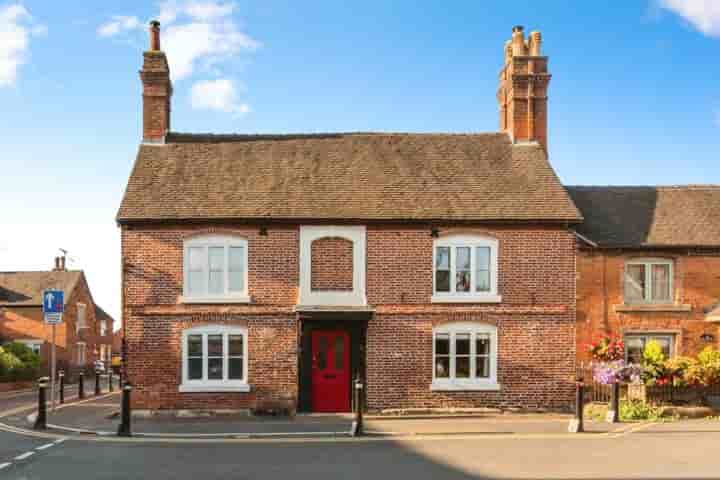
point(702, 14)
point(220, 95)
point(16, 28)
point(118, 23)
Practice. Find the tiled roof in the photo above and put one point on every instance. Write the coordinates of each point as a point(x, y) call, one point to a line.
point(673, 216)
point(344, 176)
point(25, 288)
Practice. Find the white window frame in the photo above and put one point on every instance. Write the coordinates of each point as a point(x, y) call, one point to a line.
point(205, 242)
point(473, 296)
point(356, 297)
point(205, 385)
point(459, 384)
point(103, 328)
point(81, 320)
point(648, 263)
point(34, 345)
point(81, 347)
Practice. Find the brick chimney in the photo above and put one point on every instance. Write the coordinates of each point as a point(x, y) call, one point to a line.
point(157, 89)
point(522, 93)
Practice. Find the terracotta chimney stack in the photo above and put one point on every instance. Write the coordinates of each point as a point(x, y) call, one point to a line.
point(522, 94)
point(157, 89)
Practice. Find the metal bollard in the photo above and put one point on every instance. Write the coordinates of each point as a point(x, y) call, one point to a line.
point(576, 424)
point(41, 419)
point(357, 427)
point(81, 385)
point(124, 428)
point(61, 374)
point(97, 382)
point(110, 385)
point(613, 414)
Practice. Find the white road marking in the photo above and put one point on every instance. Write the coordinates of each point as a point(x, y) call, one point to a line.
point(25, 455)
point(59, 441)
point(4, 465)
point(43, 447)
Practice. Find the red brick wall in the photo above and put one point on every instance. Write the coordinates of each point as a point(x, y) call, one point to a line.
point(536, 317)
point(600, 291)
point(535, 362)
point(331, 264)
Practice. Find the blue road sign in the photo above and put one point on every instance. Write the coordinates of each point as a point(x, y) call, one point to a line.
point(53, 301)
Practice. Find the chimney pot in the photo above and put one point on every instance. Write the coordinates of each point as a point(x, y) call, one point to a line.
point(57, 263)
point(535, 42)
point(518, 28)
point(155, 36)
point(62, 263)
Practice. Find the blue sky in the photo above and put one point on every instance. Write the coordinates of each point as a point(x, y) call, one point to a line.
point(634, 99)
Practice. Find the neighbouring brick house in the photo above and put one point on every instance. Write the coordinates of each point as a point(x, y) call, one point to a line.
point(272, 269)
point(86, 332)
point(649, 267)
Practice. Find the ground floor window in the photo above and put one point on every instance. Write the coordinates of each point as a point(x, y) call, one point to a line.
point(33, 345)
point(80, 353)
point(465, 357)
point(214, 358)
point(635, 345)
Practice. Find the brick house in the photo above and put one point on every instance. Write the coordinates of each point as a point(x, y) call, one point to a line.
point(649, 267)
point(272, 269)
point(86, 332)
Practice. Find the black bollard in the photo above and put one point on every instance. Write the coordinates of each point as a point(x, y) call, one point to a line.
point(81, 385)
point(613, 415)
point(110, 386)
point(61, 374)
point(576, 424)
point(357, 428)
point(97, 382)
point(124, 429)
point(41, 419)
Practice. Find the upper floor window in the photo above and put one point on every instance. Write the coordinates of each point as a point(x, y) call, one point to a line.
point(103, 328)
point(465, 357)
point(80, 356)
point(648, 281)
point(215, 358)
point(81, 321)
point(465, 269)
point(215, 269)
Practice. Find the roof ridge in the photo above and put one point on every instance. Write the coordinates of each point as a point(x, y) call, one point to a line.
point(182, 137)
point(689, 186)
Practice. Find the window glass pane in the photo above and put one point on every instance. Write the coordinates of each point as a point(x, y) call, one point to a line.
point(661, 282)
point(235, 344)
point(462, 344)
point(237, 269)
point(195, 259)
point(482, 344)
point(322, 353)
point(634, 283)
point(235, 369)
point(215, 368)
point(215, 345)
point(195, 283)
point(482, 273)
point(339, 352)
point(442, 269)
point(442, 367)
point(634, 348)
point(442, 344)
point(463, 258)
point(216, 274)
point(195, 348)
point(195, 368)
point(482, 367)
point(462, 367)
point(462, 272)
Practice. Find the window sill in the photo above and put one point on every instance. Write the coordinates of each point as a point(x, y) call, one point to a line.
point(485, 298)
point(236, 299)
point(650, 307)
point(455, 386)
point(216, 387)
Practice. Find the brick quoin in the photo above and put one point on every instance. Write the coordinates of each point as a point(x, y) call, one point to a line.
point(600, 291)
point(536, 319)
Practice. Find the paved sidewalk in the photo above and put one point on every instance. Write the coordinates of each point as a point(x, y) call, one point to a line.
point(102, 415)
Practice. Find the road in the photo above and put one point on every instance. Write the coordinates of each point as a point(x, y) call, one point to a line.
point(643, 455)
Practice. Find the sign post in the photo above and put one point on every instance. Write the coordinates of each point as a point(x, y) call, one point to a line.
point(53, 307)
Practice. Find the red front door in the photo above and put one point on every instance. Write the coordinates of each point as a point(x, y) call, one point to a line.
point(330, 371)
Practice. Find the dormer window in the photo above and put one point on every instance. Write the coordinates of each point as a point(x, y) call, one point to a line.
point(465, 269)
point(215, 270)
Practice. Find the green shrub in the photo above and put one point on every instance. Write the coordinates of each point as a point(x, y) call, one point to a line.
point(8, 363)
point(23, 353)
point(639, 410)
